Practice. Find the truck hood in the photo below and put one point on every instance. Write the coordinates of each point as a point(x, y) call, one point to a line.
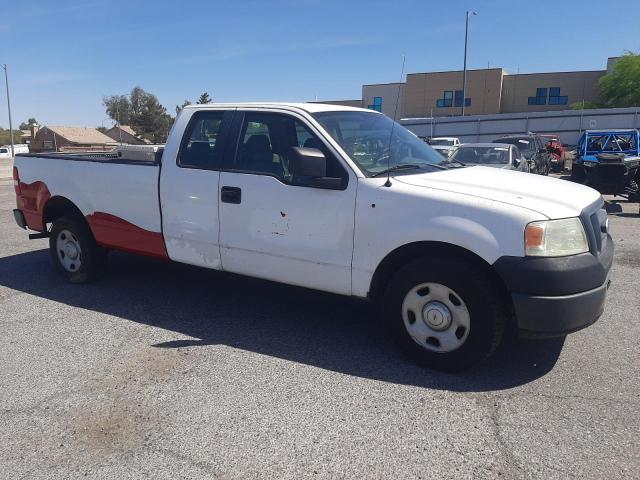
point(551, 197)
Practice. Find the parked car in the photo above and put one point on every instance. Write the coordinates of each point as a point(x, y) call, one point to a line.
point(557, 151)
point(444, 141)
point(5, 150)
point(453, 256)
point(608, 160)
point(534, 149)
point(444, 145)
point(496, 155)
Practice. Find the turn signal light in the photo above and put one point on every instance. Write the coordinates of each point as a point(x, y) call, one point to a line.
point(16, 180)
point(534, 236)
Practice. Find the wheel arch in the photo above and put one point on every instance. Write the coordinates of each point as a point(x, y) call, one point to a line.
point(402, 255)
point(59, 206)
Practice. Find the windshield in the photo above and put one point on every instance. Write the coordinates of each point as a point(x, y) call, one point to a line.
point(445, 142)
point(366, 138)
point(526, 146)
point(482, 155)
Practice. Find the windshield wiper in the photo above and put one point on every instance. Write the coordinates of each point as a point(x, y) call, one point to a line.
point(408, 166)
point(452, 160)
point(402, 166)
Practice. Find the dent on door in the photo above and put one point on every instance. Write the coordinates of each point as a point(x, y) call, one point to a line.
point(295, 235)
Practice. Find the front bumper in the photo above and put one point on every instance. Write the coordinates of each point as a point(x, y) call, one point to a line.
point(556, 296)
point(549, 316)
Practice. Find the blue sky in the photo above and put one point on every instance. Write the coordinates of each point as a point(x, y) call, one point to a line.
point(63, 56)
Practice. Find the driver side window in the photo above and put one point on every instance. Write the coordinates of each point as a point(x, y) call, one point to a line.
point(265, 146)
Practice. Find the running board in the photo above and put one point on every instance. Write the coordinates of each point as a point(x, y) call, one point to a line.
point(34, 236)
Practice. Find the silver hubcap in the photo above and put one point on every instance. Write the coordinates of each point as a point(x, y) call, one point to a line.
point(436, 317)
point(69, 252)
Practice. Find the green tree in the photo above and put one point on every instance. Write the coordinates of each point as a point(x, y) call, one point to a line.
point(585, 105)
point(621, 87)
point(142, 111)
point(118, 108)
point(25, 125)
point(180, 107)
point(5, 136)
point(204, 98)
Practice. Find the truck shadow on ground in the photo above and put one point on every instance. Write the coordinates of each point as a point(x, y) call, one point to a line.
point(323, 330)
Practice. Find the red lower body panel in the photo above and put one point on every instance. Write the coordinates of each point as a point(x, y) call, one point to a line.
point(108, 230)
point(31, 199)
point(114, 232)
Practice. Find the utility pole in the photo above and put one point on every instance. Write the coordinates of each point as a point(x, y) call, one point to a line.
point(118, 122)
point(464, 71)
point(118, 114)
point(6, 81)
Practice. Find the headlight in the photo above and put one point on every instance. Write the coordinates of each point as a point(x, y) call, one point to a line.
point(555, 238)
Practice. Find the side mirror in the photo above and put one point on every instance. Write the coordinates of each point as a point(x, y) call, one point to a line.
point(308, 162)
point(516, 162)
point(309, 168)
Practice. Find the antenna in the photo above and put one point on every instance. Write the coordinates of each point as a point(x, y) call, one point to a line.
point(395, 113)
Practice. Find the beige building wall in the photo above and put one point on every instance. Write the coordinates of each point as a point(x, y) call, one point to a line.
point(344, 103)
point(392, 95)
point(516, 89)
point(422, 91)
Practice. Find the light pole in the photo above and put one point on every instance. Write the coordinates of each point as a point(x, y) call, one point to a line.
point(464, 71)
point(118, 115)
point(6, 81)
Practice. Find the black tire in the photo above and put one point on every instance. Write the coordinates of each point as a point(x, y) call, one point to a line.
point(577, 174)
point(91, 257)
point(485, 302)
point(547, 168)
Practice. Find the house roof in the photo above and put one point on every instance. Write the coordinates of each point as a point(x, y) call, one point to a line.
point(82, 135)
point(125, 129)
point(129, 130)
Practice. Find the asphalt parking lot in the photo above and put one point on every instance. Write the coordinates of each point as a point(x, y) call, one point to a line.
point(168, 371)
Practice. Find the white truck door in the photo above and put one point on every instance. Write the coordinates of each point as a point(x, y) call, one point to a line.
point(189, 187)
point(274, 226)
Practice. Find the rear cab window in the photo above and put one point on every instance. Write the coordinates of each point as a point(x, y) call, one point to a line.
point(204, 140)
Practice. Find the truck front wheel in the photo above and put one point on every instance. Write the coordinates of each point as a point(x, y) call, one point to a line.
point(446, 314)
point(74, 251)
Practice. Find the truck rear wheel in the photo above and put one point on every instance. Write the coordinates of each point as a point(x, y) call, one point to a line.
point(74, 251)
point(445, 313)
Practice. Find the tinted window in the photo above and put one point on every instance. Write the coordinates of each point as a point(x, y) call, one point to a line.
point(527, 146)
point(441, 141)
point(266, 142)
point(202, 146)
point(482, 155)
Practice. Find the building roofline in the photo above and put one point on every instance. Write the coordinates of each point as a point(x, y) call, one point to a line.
point(506, 73)
point(387, 83)
point(458, 71)
point(347, 100)
point(554, 73)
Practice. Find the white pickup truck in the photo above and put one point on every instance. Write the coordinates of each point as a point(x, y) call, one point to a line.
point(342, 200)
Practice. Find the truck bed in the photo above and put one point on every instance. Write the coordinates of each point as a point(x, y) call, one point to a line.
point(118, 196)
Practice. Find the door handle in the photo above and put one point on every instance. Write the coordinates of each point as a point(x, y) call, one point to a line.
point(230, 194)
